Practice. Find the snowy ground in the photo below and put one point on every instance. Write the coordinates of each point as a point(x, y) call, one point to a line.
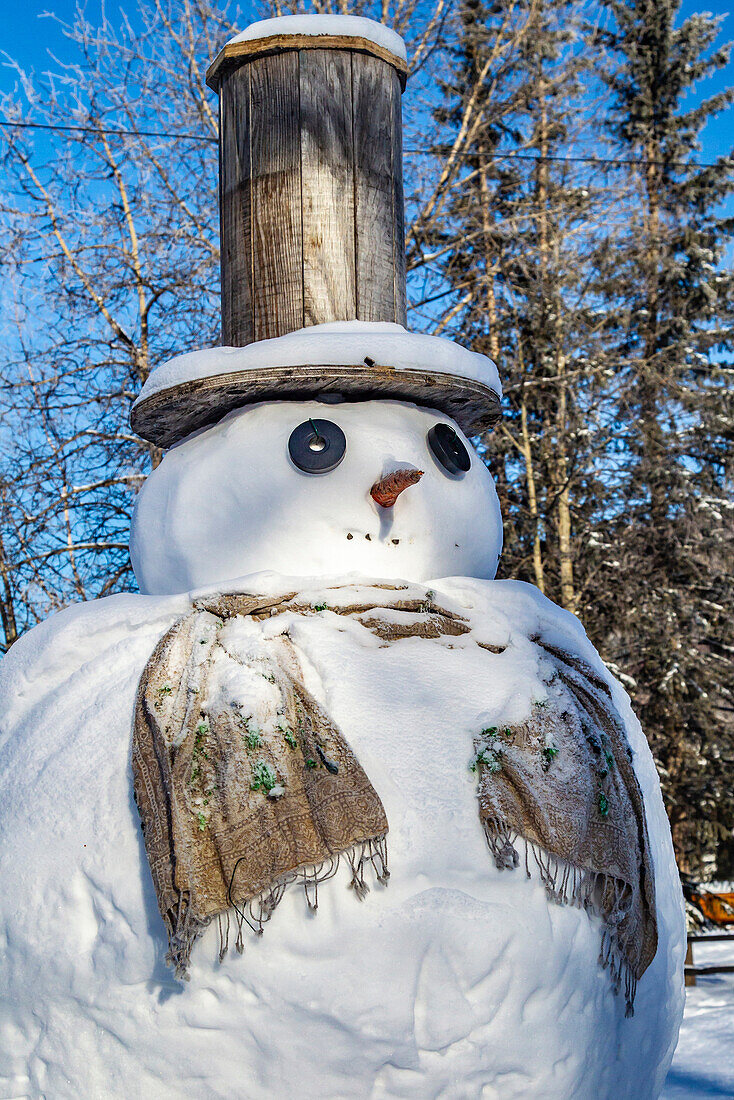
point(703, 1065)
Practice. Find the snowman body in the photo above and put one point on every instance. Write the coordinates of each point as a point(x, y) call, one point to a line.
point(457, 980)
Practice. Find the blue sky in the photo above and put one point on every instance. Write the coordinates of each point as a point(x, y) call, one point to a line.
point(29, 36)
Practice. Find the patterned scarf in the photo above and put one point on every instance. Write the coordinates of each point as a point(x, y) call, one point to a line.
point(235, 807)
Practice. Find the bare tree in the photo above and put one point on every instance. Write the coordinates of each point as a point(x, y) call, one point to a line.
point(111, 265)
point(506, 245)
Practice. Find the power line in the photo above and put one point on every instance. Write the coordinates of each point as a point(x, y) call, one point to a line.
point(598, 161)
point(579, 160)
point(102, 130)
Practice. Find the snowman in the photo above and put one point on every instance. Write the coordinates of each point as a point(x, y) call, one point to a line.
point(325, 810)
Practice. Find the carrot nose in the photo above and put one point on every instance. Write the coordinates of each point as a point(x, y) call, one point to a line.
point(387, 490)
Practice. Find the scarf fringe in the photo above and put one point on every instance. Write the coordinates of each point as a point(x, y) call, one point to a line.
point(184, 930)
point(566, 884)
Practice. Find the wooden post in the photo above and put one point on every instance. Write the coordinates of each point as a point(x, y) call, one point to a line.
point(690, 978)
point(310, 184)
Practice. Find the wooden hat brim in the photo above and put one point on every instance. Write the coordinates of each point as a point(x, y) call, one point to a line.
point(170, 415)
point(234, 54)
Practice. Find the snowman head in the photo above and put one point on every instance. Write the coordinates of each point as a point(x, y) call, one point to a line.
point(379, 488)
point(335, 447)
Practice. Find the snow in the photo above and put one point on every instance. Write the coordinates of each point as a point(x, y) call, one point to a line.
point(703, 1066)
point(348, 26)
point(333, 344)
point(228, 498)
point(457, 981)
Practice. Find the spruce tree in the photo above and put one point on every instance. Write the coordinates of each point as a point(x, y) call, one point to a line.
point(521, 220)
point(665, 605)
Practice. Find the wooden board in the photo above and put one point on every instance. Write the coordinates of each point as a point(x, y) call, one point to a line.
point(166, 417)
point(327, 183)
point(275, 162)
point(234, 53)
point(374, 190)
point(235, 209)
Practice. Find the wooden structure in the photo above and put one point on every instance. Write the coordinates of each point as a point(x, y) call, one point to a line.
point(169, 415)
point(310, 183)
point(692, 971)
point(312, 232)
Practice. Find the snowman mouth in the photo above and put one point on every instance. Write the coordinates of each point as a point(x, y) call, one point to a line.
point(387, 490)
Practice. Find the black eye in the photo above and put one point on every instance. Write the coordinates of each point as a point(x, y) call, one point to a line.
point(317, 446)
point(448, 450)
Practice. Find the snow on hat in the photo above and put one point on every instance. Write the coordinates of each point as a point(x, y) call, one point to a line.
point(313, 252)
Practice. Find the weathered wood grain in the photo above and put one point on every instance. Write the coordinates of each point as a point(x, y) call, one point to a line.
point(166, 417)
point(235, 209)
point(275, 160)
point(235, 53)
point(327, 181)
point(401, 305)
point(311, 192)
point(374, 189)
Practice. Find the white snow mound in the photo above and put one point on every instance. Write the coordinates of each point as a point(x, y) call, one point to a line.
point(458, 981)
point(348, 26)
point(333, 344)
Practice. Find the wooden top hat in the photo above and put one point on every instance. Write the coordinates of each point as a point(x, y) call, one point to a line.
point(312, 224)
